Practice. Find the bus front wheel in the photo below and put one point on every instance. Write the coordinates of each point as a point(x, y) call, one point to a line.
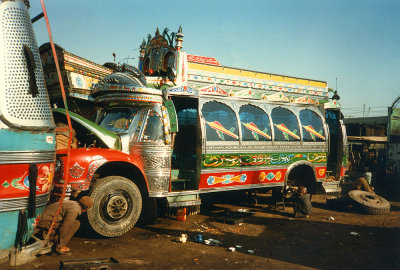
point(117, 206)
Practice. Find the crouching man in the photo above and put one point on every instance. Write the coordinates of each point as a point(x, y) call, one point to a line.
point(66, 222)
point(362, 184)
point(302, 203)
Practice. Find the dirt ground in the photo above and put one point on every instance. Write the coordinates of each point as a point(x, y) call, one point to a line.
point(332, 238)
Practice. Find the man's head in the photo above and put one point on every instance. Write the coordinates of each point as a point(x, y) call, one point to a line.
point(86, 202)
point(302, 190)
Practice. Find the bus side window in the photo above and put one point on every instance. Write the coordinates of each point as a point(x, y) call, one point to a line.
point(154, 128)
point(313, 130)
point(255, 124)
point(221, 122)
point(286, 126)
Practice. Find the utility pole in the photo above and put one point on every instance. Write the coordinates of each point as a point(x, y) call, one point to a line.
point(364, 110)
point(336, 84)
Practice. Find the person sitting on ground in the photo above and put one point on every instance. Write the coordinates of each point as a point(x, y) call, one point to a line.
point(302, 203)
point(362, 184)
point(66, 223)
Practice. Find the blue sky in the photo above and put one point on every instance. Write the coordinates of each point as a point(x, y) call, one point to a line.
point(357, 42)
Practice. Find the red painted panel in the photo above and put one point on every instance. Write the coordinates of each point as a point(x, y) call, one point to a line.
point(85, 161)
point(320, 171)
point(342, 171)
point(14, 181)
point(217, 180)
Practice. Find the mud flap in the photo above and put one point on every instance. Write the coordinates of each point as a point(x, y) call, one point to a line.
point(33, 173)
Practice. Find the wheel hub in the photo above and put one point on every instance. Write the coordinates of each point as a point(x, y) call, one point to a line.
point(117, 206)
point(370, 198)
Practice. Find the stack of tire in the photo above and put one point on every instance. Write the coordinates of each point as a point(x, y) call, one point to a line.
point(369, 202)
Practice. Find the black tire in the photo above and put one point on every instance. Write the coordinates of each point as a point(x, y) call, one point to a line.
point(117, 206)
point(369, 202)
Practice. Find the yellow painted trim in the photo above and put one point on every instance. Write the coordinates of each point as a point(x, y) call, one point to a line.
point(69, 68)
point(246, 73)
point(301, 81)
point(263, 76)
point(255, 75)
point(290, 80)
point(317, 84)
point(277, 78)
point(232, 71)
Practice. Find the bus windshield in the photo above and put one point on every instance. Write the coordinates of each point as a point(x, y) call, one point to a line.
point(118, 120)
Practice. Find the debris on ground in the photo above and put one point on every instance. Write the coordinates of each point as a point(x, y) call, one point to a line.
point(101, 263)
point(230, 217)
point(212, 242)
point(199, 238)
point(183, 238)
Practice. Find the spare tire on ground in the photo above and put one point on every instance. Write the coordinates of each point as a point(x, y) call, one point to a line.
point(369, 202)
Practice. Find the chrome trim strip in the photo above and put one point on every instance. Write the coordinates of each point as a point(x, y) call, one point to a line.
point(8, 205)
point(275, 148)
point(21, 157)
point(185, 203)
point(155, 173)
point(208, 190)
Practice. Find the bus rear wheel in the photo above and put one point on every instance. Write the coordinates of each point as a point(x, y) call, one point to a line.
point(117, 206)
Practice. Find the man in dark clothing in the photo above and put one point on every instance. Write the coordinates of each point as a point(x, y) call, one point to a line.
point(66, 224)
point(302, 203)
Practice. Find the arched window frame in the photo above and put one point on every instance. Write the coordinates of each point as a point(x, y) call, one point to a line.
point(262, 107)
point(323, 122)
point(295, 112)
point(231, 106)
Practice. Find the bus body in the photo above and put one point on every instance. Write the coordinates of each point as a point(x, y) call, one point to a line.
point(198, 127)
point(27, 141)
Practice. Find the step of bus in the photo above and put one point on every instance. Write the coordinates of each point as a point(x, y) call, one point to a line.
point(181, 179)
point(190, 202)
point(332, 189)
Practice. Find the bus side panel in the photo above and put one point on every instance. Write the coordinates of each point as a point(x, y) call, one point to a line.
point(21, 140)
point(9, 226)
point(223, 170)
point(14, 181)
point(271, 177)
point(14, 197)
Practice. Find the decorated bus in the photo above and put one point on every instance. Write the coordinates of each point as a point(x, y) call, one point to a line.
point(27, 139)
point(194, 127)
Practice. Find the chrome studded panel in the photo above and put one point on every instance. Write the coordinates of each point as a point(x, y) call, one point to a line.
point(18, 107)
point(156, 163)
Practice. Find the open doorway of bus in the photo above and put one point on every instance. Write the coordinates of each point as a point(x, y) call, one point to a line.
point(337, 157)
point(186, 145)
